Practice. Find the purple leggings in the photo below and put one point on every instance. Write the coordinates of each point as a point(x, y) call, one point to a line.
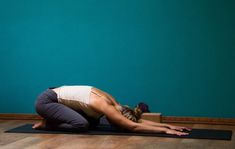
point(61, 117)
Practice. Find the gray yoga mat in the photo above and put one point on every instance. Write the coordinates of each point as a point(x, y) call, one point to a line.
point(107, 130)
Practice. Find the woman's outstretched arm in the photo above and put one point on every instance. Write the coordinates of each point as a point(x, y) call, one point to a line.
point(179, 128)
point(116, 118)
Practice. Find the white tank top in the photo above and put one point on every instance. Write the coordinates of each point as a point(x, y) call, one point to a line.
point(77, 98)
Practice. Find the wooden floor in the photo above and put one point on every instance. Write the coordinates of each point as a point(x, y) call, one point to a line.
point(64, 141)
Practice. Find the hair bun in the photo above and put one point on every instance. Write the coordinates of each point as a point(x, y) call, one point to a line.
point(143, 107)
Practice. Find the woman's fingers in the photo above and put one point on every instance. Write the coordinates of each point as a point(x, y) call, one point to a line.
point(185, 128)
point(170, 131)
point(182, 133)
point(189, 129)
point(179, 128)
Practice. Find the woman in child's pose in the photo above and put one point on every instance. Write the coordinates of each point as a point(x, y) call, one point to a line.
point(78, 108)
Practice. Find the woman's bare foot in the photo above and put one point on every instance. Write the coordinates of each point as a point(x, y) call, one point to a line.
point(40, 125)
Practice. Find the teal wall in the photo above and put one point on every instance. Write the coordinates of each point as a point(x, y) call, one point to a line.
point(177, 56)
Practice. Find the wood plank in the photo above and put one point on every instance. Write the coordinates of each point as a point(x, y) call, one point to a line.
point(93, 141)
point(6, 138)
point(50, 141)
point(22, 143)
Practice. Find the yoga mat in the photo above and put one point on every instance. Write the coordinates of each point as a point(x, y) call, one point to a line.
point(107, 130)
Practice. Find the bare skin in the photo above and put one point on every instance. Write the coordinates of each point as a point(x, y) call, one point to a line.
point(104, 103)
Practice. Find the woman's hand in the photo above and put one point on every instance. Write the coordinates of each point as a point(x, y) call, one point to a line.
point(178, 128)
point(174, 132)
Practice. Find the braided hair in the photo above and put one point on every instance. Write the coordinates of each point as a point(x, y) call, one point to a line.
point(133, 115)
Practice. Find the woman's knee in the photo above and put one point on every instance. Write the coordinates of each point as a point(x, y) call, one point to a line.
point(41, 103)
point(83, 126)
point(39, 108)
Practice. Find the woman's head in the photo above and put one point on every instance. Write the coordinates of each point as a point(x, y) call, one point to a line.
point(133, 115)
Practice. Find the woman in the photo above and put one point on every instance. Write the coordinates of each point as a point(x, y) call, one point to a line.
point(79, 108)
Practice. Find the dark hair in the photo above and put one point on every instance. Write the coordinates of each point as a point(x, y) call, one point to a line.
point(133, 115)
point(144, 107)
